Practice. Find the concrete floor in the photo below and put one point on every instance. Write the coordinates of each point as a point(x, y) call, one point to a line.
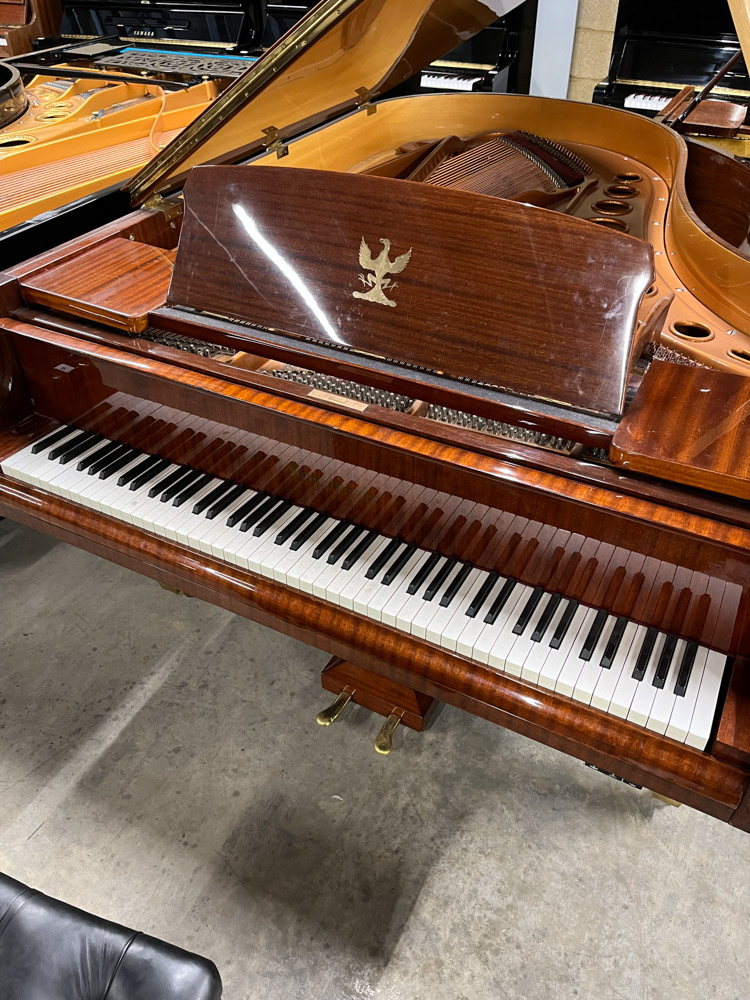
point(160, 765)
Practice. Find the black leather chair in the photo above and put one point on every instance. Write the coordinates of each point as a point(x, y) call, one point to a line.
point(52, 951)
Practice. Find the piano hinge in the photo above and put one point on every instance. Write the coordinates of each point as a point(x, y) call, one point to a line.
point(363, 102)
point(169, 209)
point(274, 143)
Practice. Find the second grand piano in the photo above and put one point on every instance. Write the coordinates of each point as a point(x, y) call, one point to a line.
point(451, 387)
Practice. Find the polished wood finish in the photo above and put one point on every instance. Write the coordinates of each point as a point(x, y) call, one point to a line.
point(732, 740)
point(674, 770)
point(689, 425)
point(715, 118)
point(41, 17)
point(718, 187)
point(118, 283)
point(379, 694)
point(525, 278)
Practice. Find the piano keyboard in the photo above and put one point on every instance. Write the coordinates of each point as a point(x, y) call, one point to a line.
point(647, 102)
point(652, 678)
point(447, 81)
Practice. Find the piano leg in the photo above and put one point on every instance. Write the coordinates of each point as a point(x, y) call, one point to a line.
point(379, 694)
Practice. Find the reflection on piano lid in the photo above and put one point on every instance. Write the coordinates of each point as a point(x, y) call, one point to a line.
point(661, 47)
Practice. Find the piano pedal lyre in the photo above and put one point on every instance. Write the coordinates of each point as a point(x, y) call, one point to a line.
point(398, 703)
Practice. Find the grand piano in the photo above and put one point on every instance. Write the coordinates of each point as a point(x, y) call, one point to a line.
point(453, 387)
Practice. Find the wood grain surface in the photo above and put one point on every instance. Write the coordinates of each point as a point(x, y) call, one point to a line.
point(689, 425)
point(529, 301)
point(117, 282)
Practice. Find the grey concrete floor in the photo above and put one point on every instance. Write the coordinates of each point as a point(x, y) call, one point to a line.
point(160, 765)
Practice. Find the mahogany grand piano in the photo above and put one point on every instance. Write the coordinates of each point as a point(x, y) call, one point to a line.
point(453, 387)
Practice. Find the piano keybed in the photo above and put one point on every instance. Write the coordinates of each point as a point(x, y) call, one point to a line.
point(405, 556)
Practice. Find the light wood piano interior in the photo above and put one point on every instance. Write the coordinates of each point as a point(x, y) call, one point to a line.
point(514, 500)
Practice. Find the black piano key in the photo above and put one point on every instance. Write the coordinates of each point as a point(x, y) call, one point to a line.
point(237, 516)
point(613, 643)
point(340, 550)
point(686, 668)
point(260, 512)
point(308, 531)
point(382, 560)
point(563, 625)
point(359, 549)
point(294, 525)
point(398, 564)
point(439, 579)
point(148, 474)
point(482, 594)
point(647, 648)
point(422, 573)
point(80, 448)
point(189, 491)
point(329, 538)
point(543, 624)
point(455, 584)
point(268, 522)
point(500, 601)
point(188, 476)
point(168, 481)
point(109, 470)
point(594, 635)
point(106, 449)
point(60, 449)
point(149, 462)
point(234, 494)
point(211, 498)
point(665, 661)
point(101, 463)
point(52, 439)
point(529, 608)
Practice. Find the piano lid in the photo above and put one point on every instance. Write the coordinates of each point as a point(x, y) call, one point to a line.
point(341, 55)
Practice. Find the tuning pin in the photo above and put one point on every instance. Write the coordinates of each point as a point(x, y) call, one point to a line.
point(384, 739)
point(330, 714)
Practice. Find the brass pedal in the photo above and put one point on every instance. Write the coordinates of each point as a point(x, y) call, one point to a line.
point(384, 739)
point(329, 715)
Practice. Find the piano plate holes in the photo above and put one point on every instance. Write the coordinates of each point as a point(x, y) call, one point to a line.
point(612, 207)
point(617, 224)
point(7, 142)
point(739, 355)
point(692, 331)
point(621, 191)
point(628, 178)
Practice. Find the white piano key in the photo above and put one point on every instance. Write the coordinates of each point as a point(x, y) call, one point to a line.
point(384, 594)
point(592, 670)
point(608, 679)
point(661, 710)
point(684, 705)
point(352, 580)
point(555, 660)
point(541, 650)
point(475, 626)
point(523, 646)
point(624, 692)
point(571, 668)
point(705, 706)
point(400, 595)
point(492, 632)
point(259, 557)
point(643, 699)
point(456, 622)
